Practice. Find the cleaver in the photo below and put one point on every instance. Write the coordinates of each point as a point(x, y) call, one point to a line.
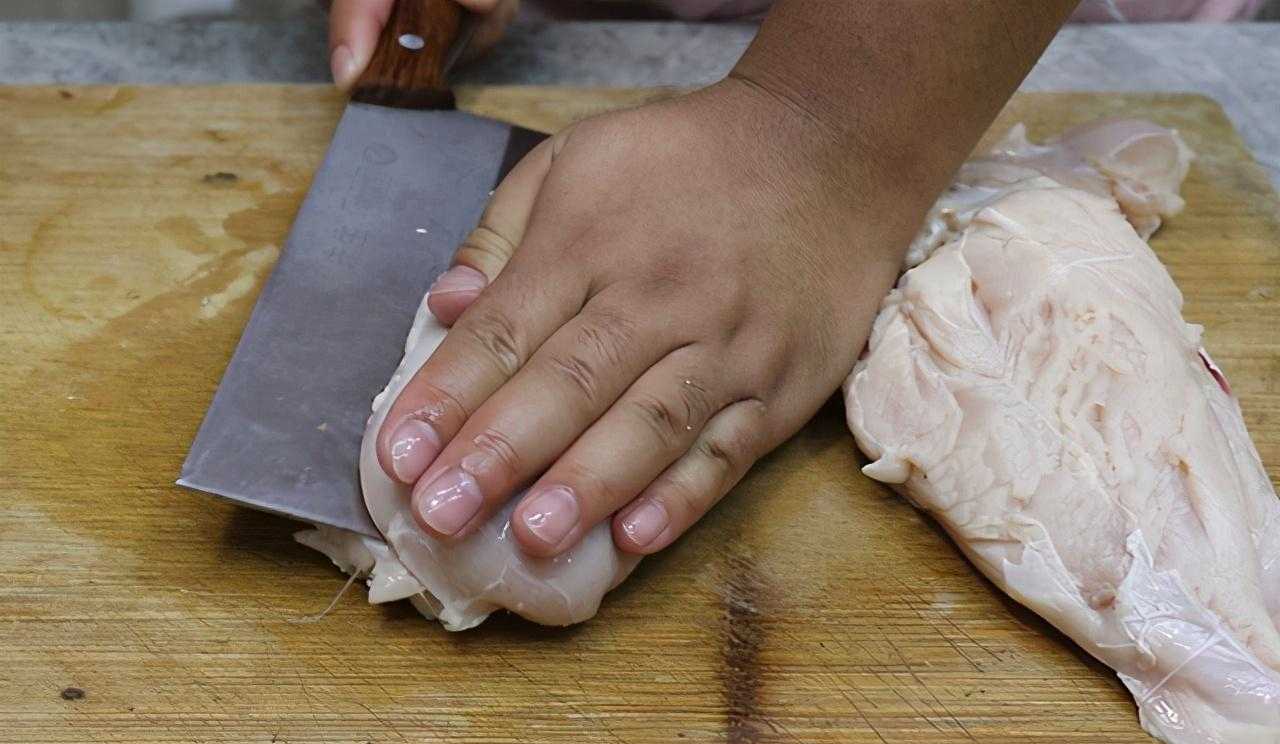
point(405, 179)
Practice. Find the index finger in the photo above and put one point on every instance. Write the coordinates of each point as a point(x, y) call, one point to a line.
point(354, 26)
point(434, 405)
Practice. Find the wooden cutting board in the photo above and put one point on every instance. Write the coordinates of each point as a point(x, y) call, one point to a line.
point(136, 227)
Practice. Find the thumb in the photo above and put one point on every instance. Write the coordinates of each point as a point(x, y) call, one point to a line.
point(489, 247)
point(354, 26)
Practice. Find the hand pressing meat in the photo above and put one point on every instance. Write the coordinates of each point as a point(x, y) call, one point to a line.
point(656, 298)
point(1031, 384)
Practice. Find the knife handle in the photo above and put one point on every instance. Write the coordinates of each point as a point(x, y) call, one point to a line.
point(413, 54)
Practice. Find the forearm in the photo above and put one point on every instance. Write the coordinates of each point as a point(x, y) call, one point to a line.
point(903, 88)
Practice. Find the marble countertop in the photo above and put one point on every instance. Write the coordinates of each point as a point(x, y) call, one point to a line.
point(1235, 64)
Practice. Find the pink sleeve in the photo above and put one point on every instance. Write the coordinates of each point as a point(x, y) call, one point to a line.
point(1138, 11)
point(1090, 11)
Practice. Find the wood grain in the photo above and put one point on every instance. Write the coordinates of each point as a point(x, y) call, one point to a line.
point(405, 77)
point(812, 606)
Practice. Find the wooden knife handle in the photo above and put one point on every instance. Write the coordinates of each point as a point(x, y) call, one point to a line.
point(413, 55)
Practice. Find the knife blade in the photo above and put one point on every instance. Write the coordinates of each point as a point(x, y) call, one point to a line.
point(403, 182)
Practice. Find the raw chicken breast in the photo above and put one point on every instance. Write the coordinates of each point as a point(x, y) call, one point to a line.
point(1135, 162)
point(1033, 387)
point(462, 583)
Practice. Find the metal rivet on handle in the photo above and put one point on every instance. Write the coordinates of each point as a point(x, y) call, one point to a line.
point(412, 41)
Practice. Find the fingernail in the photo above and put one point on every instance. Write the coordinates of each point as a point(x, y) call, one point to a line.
point(459, 279)
point(414, 445)
point(551, 515)
point(342, 63)
point(449, 501)
point(645, 523)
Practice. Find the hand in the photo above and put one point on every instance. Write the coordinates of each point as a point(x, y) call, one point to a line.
point(354, 26)
point(693, 280)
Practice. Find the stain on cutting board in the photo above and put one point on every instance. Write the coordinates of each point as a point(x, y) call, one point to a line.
point(743, 637)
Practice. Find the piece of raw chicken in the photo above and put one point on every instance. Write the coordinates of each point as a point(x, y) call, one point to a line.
point(1031, 384)
point(1136, 163)
point(460, 584)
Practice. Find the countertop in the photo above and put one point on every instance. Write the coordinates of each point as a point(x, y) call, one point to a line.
point(1235, 64)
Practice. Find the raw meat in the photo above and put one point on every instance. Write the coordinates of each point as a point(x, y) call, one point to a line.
point(1135, 162)
point(1031, 384)
point(462, 583)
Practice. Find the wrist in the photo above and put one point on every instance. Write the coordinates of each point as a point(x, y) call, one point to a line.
point(808, 165)
point(866, 140)
point(820, 151)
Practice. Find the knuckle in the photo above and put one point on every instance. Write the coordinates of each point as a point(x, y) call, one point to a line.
point(724, 460)
point(697, 401)
point(730, 328)
point(667, 425)
point(485, 243)
point(755, 412)
point(593, 490)
point(600, 344)
point(497, 448)
point(674, 421)
point(664, 275)
point(731, 449)
point(683, 502)
point(441, 406)
point(773, 362)
point(722, 452)
point(607, 336)
point(580, 373)
point(494, 334)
